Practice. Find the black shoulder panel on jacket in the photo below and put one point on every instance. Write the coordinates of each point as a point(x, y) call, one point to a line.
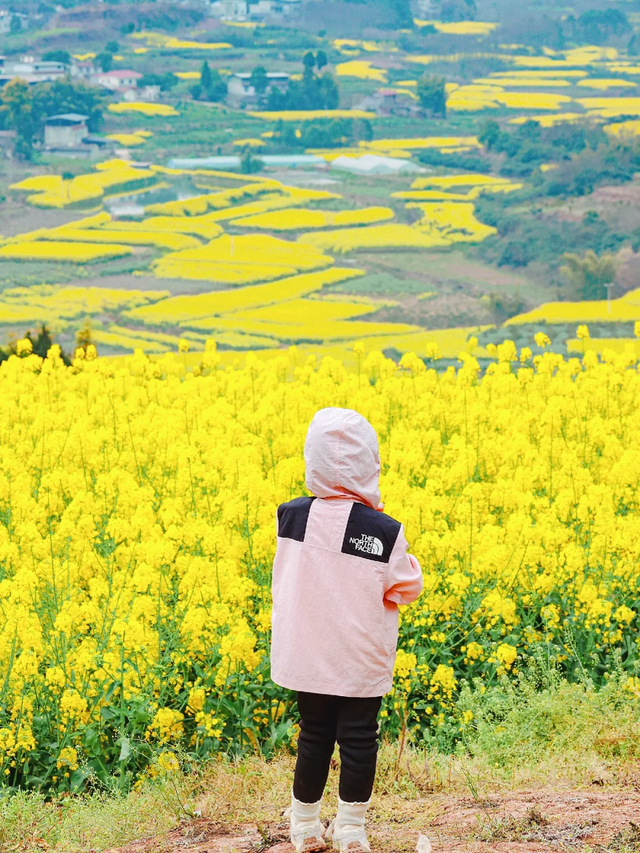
point(370, 534)
point(293, 517)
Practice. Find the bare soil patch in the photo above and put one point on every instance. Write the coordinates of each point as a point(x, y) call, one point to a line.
point(618, 205)
point(446, 270)
point(442, 312)
point(127, 281)
point(628, 272)
point(526, 821)
point(17, 218)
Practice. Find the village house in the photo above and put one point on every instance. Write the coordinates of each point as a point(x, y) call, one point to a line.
point(230, 10)
point(121, 80)
point(424, 8)
point(68, 134)
point(147, 94)
point(65, 131)
point(32, 70)
point(261, 9)
point(240, 92)
point(83, 70)
point(12, 22)
point(241, 10)
point(389, 102)
point(287, 8)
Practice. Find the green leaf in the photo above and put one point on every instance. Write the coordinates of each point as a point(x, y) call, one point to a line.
point(125, 748)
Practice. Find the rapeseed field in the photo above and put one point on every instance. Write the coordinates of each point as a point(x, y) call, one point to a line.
point(137, 506)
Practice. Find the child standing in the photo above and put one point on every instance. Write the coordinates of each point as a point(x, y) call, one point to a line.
point(341, 570)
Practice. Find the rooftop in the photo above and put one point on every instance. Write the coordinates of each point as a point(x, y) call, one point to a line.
point(121, 74)
point(67, 118)
point(271, 75)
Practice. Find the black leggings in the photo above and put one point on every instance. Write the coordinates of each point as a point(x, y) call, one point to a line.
point(353, 722)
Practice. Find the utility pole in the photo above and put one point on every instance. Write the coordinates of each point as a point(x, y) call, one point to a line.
point(609, 287)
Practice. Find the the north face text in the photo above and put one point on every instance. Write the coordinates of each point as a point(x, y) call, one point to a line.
point(370, 534)
point(367, 544)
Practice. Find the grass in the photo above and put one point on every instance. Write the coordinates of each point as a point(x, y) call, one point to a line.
point(563, 736)
point(381, 284)
point(534, 826)
point(627, 839)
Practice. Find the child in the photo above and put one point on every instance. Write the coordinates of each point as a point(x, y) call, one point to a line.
point(341, 570)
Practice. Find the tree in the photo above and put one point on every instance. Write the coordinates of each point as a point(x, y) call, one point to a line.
point(502, 305)
point(42, 343)
point(515, 254)
point(490, 134)
point(309, 61)
point(329, 92)
point(211, 86)
point(458, 10)
point(62, 56)
point(15, 26)
point(83, 335)
point(259, 80)
point(62, 96)
point(205, 76)
point(313, 92)
point(401, 10)
point(112, 47)
point(432, 94)
point(321, 133)
point(105, 61)
point(165, 81)
point(365, 131)
point(250, 164)
point(218, 89)
point(611, 162)
point(17, 114)
point(321, 60)
point(596, 26)
point(589, 274)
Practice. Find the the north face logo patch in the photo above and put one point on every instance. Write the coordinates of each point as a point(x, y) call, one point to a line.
point(377, 544)
point(367, 544)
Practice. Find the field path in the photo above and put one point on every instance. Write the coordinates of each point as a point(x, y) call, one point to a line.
point(523, 822)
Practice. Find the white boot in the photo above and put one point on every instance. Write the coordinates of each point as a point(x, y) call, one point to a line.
point(347, 830)
point(306, 829)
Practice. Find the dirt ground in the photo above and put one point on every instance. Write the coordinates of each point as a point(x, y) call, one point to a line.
point(18, 218)
point(527, 821)
point(128, 281)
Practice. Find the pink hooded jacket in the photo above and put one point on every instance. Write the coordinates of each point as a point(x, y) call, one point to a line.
point(341, 569)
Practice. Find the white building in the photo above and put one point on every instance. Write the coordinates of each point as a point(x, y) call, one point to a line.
point(258, 10)
point(240, 92)
point(287, 8)
point(261, 9)
point(117, 81)
point(389, 102)
point(6, 19)
point(68, 135)
point(148, 94)
point(68, 130)
point(34, 70)
point(234, 10)
point(424, 9)
point(83, 69)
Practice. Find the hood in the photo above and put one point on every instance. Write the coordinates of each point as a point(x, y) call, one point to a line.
point(342, 457)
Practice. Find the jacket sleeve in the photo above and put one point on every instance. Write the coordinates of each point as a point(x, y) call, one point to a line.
point(404, 575)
